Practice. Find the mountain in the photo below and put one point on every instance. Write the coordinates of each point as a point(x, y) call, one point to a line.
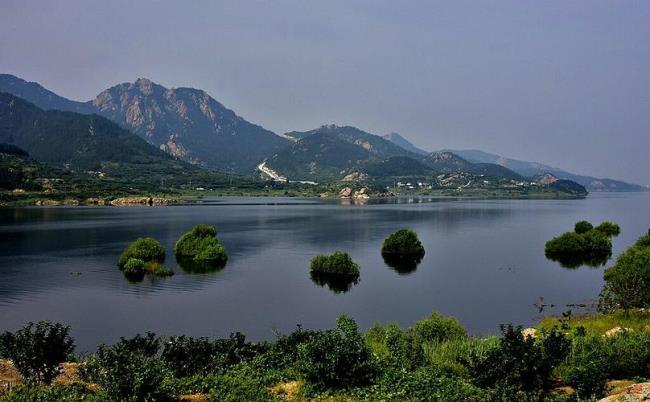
point(404, 143)
point(188, 124)
point(531, 169)
point(41, 97)
point(330, 152)
point(449, 162)
point(185, 122)
point(93, 147)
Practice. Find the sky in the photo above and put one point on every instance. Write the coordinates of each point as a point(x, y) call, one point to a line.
point(566, 83)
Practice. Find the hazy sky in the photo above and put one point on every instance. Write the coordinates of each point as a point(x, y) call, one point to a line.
point(561, 82)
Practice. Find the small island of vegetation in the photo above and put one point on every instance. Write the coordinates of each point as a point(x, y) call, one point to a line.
point(337, 271)
point(144, 256)
point(586, 245)
point(199, 250)
point(402, 251)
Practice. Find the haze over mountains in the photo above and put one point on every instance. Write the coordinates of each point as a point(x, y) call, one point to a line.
point(190, 125)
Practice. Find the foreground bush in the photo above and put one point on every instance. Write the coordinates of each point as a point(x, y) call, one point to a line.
point(130, 370)
point(37, 349)
point(143, 248)
point(201, 246)
point(339, 263)
point(583, 227)
point(519, 364)
point(627, 283)
point(337, 358)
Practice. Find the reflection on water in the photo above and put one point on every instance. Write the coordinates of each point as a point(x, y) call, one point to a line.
point(60, 264)
point(193, 267)
point(402, 265)
point(335, 283)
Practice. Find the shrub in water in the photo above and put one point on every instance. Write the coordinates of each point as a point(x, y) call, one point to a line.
point(585, 246)
point(337, 358)
point(583, 227)
point(37, 349)
point(134, 269)
point(145, 249)
point(200, 245)
point(609, 228)
point(403, 242)
point(339, 263)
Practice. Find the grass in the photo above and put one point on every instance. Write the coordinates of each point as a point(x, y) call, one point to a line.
point(636, 320)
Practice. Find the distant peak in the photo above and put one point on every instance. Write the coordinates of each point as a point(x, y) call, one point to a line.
point(145, 85)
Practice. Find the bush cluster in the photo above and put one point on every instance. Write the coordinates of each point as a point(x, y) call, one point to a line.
point(200, 246)
point(586, 245)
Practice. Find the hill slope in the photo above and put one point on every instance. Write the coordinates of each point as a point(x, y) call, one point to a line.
point(330, 152)
point(404, 143)
point(45, 99)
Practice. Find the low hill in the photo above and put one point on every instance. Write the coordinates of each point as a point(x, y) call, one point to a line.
point(531, 169)
point(330, 152)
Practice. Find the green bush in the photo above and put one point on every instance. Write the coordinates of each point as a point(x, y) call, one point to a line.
point(131, 370)
point(160, 270)
point(201, 245)
point(644, 241)
point(337, 358)
point(609, 228)
point(436, 328)
point(143, 248)
point(188, 356)
point(134, 269)
point(339, 263)
point(583, 227)
point(627, 282)
point(404, 244)
point(283, 352)
point(37, 349)
point(519, 364)
point(587, 367)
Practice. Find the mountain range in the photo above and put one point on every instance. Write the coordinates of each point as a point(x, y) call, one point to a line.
point(526, 169)
point(186, 124)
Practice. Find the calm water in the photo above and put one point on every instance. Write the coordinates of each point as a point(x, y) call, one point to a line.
point(484, 264)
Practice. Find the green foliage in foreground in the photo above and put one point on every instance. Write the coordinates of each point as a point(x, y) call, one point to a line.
point(338, 263)
point(433, 360)
point(143, 248)
point(201, 246)
point(586, 245)
point(37, 349)
point(627, 283)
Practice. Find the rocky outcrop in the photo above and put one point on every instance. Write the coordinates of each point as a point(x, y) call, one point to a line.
point(143, 201)
point(633, 393)
point(345, 193)
point(355, 176)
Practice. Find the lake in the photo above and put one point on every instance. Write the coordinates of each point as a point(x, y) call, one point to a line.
point(484, 264)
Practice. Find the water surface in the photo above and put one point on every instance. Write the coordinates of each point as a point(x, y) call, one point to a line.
point(484, 264)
